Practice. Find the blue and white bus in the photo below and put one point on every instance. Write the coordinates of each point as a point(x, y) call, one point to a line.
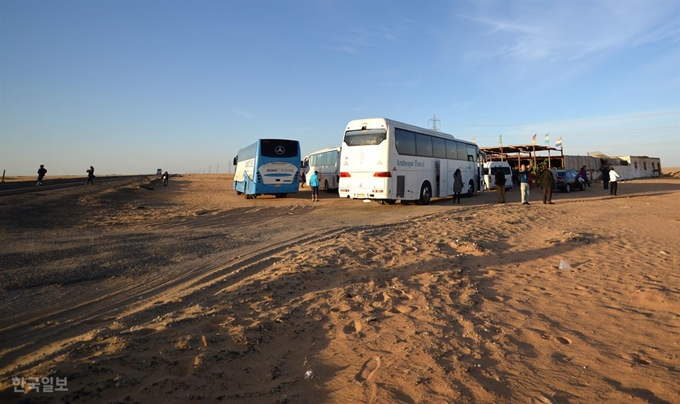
point(268, 167)
point(386, 160)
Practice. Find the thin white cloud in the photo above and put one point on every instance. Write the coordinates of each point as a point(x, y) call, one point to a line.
point(670, 31)
point(358, 39)
point(500, 25)
point(567, 30)
point(343, 49)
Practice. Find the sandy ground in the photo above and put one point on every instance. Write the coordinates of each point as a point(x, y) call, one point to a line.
point(136, 292)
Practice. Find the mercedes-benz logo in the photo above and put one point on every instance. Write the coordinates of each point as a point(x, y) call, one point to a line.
point(279, 150)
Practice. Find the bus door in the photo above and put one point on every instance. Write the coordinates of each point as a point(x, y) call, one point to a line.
point(442, 170)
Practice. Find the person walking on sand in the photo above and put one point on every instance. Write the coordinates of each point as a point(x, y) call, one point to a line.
point(303, 179)
point(613, 177)
point(90, 176)
point(605, 178)
point(499, 180)
point(41, 174)
point(547, 182)
point(165, 178)
point(524, 172)
point(457, 185)
point(314, 183)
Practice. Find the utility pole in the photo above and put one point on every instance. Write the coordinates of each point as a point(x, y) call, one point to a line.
point(434, 121)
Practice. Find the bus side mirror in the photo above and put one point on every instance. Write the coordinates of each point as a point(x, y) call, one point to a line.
point(235, 160)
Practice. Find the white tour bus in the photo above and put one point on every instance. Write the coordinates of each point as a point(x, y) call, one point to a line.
point(385, 160)
point(327, 163)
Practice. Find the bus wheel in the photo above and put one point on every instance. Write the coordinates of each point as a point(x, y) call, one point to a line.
point(471, 188)
point(390, 201)
point(425, 194)
point(247, 196)
point(238, 193)
point(281, 195)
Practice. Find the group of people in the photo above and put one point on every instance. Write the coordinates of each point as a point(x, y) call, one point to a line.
point(546, 180)
point(610, 179)
point(521, 177)
point(42, 171)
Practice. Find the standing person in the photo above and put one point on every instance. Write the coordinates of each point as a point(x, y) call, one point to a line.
point(524, 172)
point(605, 177)
point(547, 182)
point(314, 183)
point(90, 176)
point(584, 175)
point(41, 174)
point(613, 177)
point(499, 180)
point(165, 178)
point(515, 176)
point(303, 178)
point(457, 185)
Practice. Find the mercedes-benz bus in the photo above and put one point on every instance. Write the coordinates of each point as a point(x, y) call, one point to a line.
point(268, 167)
point(386, 160)
point(327, 163)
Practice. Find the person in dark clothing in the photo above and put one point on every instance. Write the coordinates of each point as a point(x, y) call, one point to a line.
point(90, 176)
point(515, 176)
point(605, 177)
point(499, 180)
point(584, 175)
point(547, 182)
point(165, 178)
point(457, 185)
point(41, 174)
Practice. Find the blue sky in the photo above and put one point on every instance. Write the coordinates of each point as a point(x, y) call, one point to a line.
point(131, 86)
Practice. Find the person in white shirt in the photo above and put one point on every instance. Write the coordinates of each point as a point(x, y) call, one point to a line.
point(613, 176)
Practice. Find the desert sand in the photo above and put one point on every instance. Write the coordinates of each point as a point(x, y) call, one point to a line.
point(132, 292)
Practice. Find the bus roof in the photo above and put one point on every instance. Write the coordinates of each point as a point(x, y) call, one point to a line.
point(325, 150)
point(358, 124)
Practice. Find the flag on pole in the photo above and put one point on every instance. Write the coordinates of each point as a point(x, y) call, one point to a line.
point(533, 139)
point(559, 142)
point(474, 140)
point(547, 138)
point(500, 139)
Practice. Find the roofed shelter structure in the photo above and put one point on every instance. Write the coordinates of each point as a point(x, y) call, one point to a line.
point(515, 154)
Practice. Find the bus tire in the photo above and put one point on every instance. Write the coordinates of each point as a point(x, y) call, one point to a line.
point(281, 195)
point(471, 188)
point(390, 201)
point(248, 196)
point(425, 194)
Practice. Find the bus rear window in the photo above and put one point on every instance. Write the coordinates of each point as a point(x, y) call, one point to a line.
point(279, 148)
point(369, 137)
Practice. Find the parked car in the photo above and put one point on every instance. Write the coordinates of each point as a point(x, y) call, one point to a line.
point(569, 179)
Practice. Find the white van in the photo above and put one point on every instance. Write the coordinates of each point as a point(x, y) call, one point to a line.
point(489, 171)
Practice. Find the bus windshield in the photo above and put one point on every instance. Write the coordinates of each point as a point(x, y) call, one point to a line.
point(369, 137)
point(278, 148)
